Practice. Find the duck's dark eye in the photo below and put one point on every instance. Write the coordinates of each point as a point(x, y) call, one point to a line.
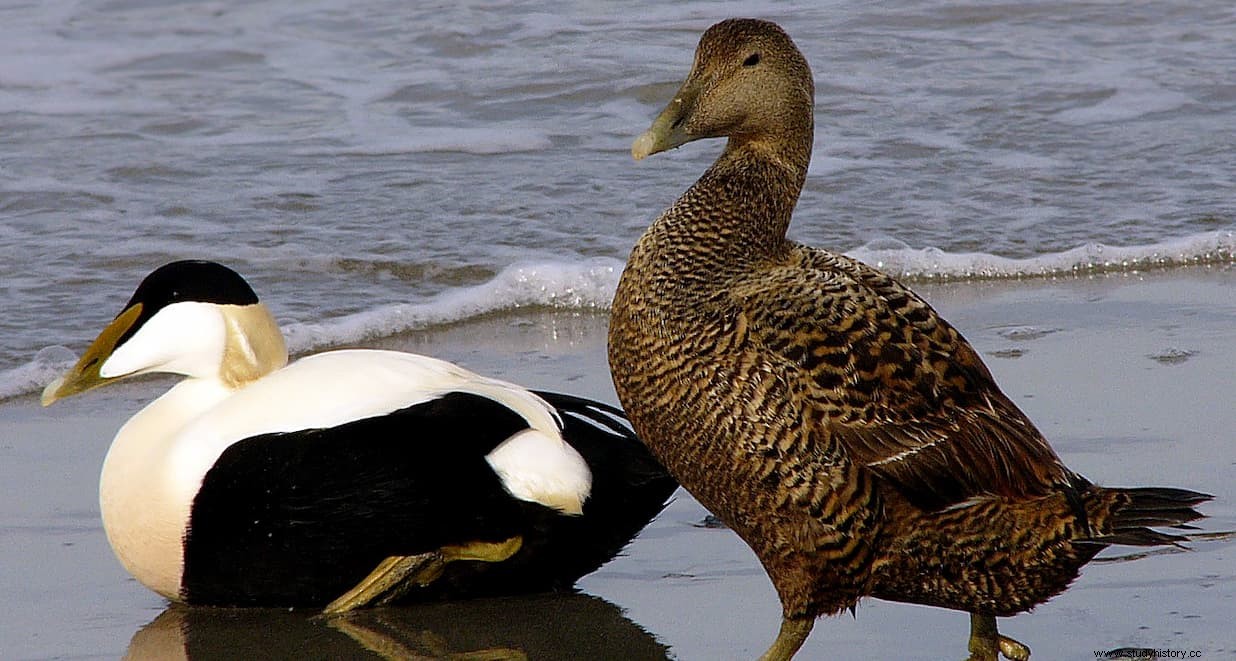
point(752, 60)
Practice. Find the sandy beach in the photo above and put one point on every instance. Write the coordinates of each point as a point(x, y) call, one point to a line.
point(1131, 376)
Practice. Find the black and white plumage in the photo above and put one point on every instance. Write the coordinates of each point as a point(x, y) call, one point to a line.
point(254, 482)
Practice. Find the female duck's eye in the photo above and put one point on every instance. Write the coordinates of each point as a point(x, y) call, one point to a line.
point(752, 60)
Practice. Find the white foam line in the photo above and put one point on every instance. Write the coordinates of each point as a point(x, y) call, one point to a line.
point(902, 261)
point(582, 285)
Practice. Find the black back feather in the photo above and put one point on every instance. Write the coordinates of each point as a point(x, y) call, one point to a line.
point(297, 519)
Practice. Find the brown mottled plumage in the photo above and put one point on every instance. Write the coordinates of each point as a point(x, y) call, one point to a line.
point(846, 432)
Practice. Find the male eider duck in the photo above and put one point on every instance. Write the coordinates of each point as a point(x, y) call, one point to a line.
point(821, 409)
point(347, 478)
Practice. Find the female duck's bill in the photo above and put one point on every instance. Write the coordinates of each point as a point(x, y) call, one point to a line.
point(346, 478)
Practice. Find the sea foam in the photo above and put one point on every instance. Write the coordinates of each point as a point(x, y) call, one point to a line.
point(580, 285)
point(927, 264)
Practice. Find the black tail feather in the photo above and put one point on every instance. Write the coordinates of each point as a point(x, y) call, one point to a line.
point(582, 405)
point(1145, 508)
point(1138, 537)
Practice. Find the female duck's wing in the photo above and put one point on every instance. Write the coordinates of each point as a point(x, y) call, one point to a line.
point(904, 393)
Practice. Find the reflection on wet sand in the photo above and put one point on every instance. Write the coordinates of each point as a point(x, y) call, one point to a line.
point(573, 626)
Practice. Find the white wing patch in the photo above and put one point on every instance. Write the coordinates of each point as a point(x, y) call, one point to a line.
point(541, 468)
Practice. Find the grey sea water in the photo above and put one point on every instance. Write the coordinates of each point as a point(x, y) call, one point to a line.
point(374, 166)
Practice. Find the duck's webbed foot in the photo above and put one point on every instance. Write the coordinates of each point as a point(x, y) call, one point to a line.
point(385, 581)
point(986, 643)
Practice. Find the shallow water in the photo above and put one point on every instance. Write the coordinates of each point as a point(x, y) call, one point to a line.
point(352, 156)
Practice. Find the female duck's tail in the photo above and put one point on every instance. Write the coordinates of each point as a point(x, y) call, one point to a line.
point(1129, 516)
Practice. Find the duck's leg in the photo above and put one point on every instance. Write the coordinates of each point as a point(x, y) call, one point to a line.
point(986, 643)
point(475, 551)
point(793, 633)
point(395, 575)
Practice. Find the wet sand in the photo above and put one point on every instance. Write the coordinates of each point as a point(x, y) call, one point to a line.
point(1133, 378)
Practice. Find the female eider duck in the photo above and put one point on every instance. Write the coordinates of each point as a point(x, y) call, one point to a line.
point(821, 409)
point(347, 478)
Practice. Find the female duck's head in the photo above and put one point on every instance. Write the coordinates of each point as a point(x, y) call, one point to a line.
point(749, 82)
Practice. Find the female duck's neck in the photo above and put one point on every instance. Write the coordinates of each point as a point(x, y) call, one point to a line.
point(789, 150)
point(745, 200)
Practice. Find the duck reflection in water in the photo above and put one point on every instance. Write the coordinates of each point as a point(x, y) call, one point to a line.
point(562, 626)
